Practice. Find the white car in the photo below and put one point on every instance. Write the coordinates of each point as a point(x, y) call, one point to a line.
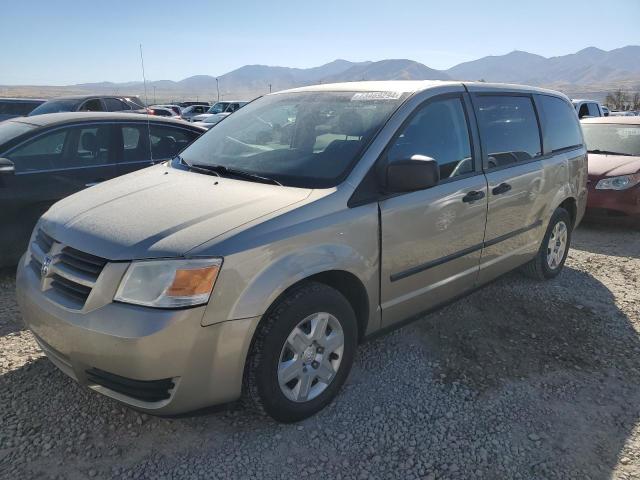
point(211, 120)
point(587, 108)
point(222, 109)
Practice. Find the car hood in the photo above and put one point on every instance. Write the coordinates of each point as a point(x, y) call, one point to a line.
point(202, 116)
point(161, 212)
point(612, 165)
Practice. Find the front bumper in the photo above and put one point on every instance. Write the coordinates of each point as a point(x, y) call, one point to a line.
point(612, 203)
point(163, 349)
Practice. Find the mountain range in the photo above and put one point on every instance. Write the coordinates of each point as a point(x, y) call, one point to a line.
point(590, 71)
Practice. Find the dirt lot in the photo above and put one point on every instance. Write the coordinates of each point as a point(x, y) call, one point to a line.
point(521, 380)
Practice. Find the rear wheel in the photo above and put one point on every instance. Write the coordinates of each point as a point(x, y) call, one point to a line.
point(553, 251)
point(302, 353)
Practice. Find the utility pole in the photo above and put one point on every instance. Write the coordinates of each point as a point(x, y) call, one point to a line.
point(269, 88)
point(154, 95)
point(218, 88)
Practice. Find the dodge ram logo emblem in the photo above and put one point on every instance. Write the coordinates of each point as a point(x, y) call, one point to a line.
point(45, 266)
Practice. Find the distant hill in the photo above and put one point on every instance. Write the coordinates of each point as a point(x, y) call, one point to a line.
point(589, 72)
point(503, 68)
point(588, 66)
point(388, 70)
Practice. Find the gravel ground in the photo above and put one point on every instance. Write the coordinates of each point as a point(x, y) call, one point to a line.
point(519, 380)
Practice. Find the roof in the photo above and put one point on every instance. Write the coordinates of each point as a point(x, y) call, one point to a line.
point(84, 97)
point(410, 86)
point(633, 120)
point(583, 100)
point(21, 99)
point(49, 119)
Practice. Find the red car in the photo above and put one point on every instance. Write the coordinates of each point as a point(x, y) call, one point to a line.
point(613, 144)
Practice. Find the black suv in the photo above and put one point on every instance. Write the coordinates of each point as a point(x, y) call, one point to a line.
point(91, 103)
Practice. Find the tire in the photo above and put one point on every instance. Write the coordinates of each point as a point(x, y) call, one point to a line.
point(288, 328)
point(542, 267)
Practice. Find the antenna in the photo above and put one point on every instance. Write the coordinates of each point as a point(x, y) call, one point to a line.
point(144, 79)
point(146, 100)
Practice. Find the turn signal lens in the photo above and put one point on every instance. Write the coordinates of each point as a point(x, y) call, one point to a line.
point(197, 281)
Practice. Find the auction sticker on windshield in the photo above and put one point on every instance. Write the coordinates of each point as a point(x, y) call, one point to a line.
point(365, 96)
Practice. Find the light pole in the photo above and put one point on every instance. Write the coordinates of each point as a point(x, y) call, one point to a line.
point(154, 94)
point(218, 89)
point(269, 88)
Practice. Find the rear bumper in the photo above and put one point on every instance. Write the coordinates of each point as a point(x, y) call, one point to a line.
point(612, 203)
point(158, 361)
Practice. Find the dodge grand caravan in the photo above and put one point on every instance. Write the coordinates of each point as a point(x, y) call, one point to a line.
point(254, 263)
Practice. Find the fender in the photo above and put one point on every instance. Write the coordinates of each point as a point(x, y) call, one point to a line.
point(295, 266)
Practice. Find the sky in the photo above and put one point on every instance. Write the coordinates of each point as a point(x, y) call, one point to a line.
point(66, 42)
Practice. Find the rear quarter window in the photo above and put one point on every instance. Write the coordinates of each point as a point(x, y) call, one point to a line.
point(167, 141)
point(562, 129)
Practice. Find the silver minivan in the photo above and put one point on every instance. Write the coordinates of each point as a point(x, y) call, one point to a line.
point(253, 264)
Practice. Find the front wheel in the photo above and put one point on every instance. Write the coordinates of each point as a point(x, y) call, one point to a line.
point(551, 256)
point(302, 353)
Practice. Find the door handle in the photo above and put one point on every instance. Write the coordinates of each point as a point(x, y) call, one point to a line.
point(500, 189)
point(472, 196)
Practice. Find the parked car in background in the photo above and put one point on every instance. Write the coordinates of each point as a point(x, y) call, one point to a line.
point(163, 112)
point(47, 157)
point(189, 104)
point(208, 122)
point(191, 111)
point(174, 108)
point(260, 257)
point(220, 110)
point(587, 108)
point(614, 167)
point(621, 113)
point(91, 103)
point(605, 110)
point(17, 107)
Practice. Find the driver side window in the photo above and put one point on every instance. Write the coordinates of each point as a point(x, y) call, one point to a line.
point(438, 130)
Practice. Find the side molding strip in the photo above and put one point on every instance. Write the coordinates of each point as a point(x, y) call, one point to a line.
point(439, 261)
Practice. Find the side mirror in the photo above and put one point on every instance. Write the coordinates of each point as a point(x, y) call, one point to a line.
point(415, 173)
point(6, 166)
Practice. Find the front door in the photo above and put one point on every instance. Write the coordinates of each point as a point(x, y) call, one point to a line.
point(431, 240)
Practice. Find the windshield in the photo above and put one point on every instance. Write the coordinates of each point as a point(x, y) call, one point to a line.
point(306, 139)
point(55, 106)
point(10, 130)
point(135, 102)
point(619, 138)
point(218, 108)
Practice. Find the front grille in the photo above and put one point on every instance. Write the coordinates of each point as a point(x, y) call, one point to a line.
point(71, 274)
point(44, 241)
point(70, 289)
point(82, 262)
point(145, 390)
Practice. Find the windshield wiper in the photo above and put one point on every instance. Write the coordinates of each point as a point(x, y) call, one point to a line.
point(222, 170)
point(196, 168)
point(608, 152)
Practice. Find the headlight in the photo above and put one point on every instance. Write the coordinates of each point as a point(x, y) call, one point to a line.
point(618, 183)
point(169, 283)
